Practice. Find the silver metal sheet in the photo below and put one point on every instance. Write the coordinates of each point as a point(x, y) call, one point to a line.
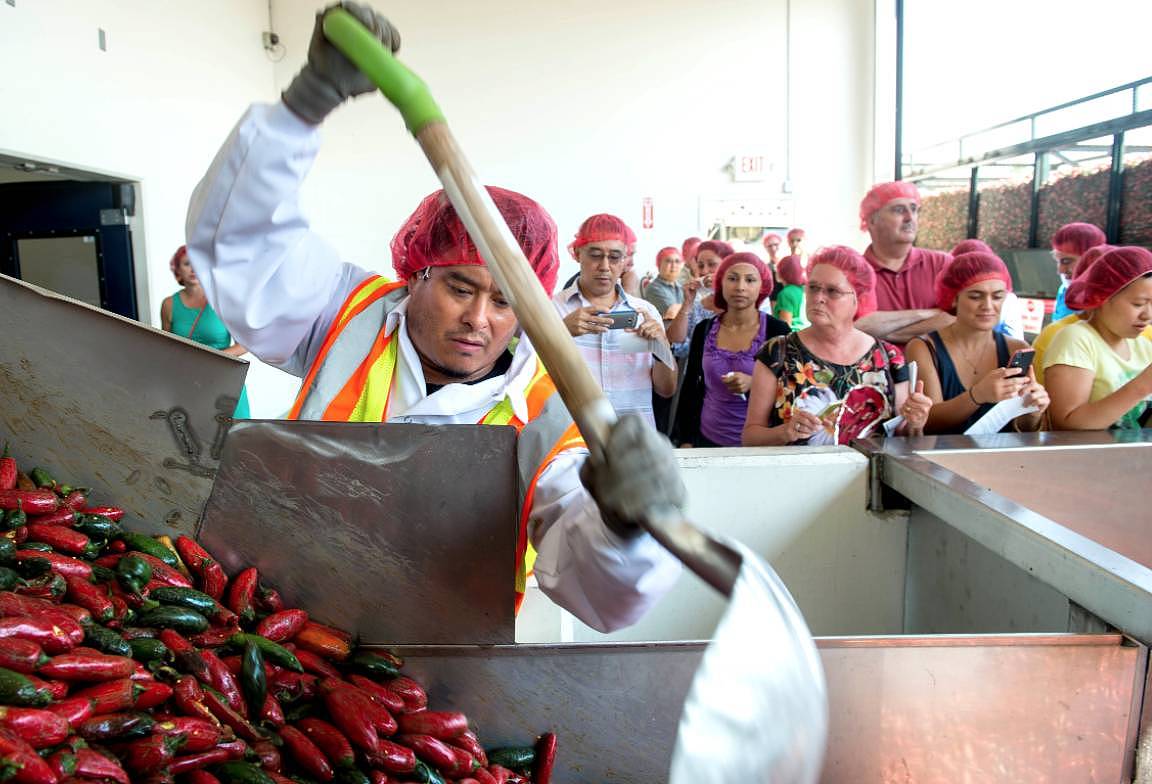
point(1043, 710)
point(1101, 493)
point(1107, 583)
point(403, 533)
point(955, 585)
point(101, 401)
point(1010, 708)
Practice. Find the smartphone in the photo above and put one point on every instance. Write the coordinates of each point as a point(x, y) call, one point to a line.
point(622, 319)
point(1022, 359)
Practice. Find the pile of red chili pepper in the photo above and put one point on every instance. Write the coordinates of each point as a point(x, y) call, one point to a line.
point(126, 658)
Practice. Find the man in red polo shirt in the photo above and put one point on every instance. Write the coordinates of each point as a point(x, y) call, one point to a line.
point(904, 303)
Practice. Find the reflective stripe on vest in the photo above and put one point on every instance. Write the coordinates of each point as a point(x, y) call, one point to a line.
point(352, 375)
point(342, 356)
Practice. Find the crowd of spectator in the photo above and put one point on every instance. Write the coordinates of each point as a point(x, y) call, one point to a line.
point(818, 348)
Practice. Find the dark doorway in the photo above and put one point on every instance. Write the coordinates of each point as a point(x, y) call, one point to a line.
point(73, 238)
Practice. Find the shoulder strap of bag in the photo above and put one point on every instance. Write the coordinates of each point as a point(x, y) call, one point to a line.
point(196, 321)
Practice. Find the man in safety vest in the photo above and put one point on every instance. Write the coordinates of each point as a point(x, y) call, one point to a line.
point(433, 348)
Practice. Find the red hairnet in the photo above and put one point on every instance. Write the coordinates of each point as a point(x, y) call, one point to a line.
point(688, 248)
point(766, 282)
point(721, 249)
point(791, 271)
point(669, 251)
point(971, 246)
point(175, 260)
point(966, 270)
point(433, 236)
point(1090, 257)
point(859, 272)
point(771, 235)
point(795, 234)
point(1104, 279)
point(603, 228)
point(882, 194)
point(1075, 238)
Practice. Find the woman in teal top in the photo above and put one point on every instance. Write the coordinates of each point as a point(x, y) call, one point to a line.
point(789, 304)
point(188, 314)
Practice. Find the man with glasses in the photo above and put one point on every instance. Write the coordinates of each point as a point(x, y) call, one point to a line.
point(904, 303)
point(629, 362)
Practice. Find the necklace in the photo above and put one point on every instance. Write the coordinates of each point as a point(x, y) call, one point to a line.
point(967, 358)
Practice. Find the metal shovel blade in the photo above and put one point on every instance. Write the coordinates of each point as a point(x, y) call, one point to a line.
point(758, 708)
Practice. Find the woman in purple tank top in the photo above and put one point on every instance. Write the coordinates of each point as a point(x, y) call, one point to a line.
point(713, 401)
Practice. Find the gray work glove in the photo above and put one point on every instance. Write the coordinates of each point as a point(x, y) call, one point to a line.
point(637, 474)
point(329, 78)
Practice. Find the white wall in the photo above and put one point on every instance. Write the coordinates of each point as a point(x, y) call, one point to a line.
point(804, 510)
point(587, 106)
point(591, 106)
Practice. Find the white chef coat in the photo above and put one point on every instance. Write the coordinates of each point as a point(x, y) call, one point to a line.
point(278, 286)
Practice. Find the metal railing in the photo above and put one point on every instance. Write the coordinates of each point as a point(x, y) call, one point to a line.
point(1006, 142)
point(1038, 149)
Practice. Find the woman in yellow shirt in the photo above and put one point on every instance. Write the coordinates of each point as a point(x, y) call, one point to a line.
point(1098, 370)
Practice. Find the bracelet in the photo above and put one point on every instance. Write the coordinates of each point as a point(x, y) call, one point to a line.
point(973, 397)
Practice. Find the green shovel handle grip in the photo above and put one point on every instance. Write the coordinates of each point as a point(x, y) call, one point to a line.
point(406, 91)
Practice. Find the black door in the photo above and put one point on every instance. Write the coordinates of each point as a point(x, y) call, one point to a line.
point(71, 237)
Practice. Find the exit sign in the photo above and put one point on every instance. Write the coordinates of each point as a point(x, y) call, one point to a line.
point(751, 167)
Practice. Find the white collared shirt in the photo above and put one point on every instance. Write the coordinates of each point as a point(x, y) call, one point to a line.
point(279, 286)
point(620, 363)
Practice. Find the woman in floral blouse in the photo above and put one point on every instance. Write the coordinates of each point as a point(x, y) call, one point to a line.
point(830, 383)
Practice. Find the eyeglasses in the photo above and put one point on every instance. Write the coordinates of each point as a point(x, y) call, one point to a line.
point(597, 255)
point(815, 290)
point(904, 210)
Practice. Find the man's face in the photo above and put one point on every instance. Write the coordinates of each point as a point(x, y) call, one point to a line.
point(896, 222)
point(772, 245)
point(601, 265)
point(796, 245)
point(670, 266)
point(1065, 263)
point(459, 322)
